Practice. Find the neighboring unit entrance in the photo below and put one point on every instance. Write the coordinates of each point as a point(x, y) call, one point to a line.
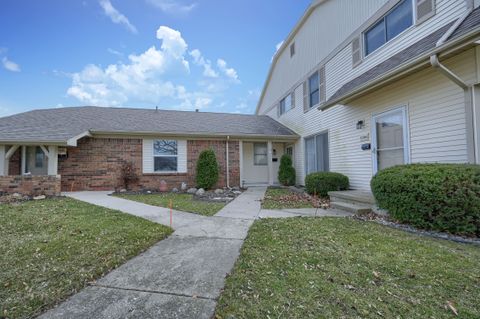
point(390, 139)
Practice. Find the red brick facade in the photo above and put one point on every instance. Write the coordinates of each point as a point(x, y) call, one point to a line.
point(95, 164)
point(30, 185)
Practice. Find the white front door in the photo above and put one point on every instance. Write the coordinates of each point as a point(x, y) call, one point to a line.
point(390, 139)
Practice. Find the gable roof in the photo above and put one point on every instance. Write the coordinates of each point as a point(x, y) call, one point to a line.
point(66, 125)
point(421, 49)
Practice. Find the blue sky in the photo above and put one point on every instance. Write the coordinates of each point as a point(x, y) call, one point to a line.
point(175, 54)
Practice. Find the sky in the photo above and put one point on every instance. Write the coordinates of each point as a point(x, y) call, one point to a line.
point(211, 55)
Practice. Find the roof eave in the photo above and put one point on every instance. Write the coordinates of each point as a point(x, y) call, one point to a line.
point(197, 135)
point(401, 70)
point(285, 44)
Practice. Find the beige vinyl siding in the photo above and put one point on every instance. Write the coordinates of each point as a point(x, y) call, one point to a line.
point(436, 115)
point(309, 52)
point(147, 148)
point(340, 67)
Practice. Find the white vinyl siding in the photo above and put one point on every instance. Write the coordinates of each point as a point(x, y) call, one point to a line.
point(148, 156)
point(436, 115)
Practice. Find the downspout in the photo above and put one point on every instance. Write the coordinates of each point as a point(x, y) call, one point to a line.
point(468, 89)
point(227, 173)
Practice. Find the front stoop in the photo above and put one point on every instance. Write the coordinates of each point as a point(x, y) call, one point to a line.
point(357, 202)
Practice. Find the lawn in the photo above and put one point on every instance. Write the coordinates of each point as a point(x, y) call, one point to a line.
point(182, 202)
point(342, 268)
point(284, 198)
point(50, 249)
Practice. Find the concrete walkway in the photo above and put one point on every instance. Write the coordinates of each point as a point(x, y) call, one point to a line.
point(179, 277)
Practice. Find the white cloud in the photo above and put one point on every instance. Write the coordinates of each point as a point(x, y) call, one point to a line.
point(139, 79)
point(172, 6)
point(10, 65)
point(229, 72)
point(158, 76)
point(116, 16)
point(198, 59)
point(115, 52)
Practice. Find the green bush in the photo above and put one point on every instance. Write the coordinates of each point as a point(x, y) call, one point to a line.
point(443, 197)
point(321, 183)
point(207, 170)
point(286, 172)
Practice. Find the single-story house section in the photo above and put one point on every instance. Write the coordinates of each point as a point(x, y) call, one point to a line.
point(84, 148)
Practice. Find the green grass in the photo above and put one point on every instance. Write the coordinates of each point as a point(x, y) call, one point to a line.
point(342, 268)
point(282, 198)
point(50, 249)
point(182, 202)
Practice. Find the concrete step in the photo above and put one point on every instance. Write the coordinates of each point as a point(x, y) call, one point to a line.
point(351, 208)
point(353, 197)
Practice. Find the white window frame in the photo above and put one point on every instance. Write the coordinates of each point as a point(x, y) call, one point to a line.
point(314, 137)
point(364, 33)
point(255, 153)
point(284, 109)
point(171, 156)
point(406, 135)
point(310, 105)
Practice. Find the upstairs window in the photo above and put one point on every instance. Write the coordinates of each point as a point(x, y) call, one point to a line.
point(165, 156)
point(286, 104)
point(292, 49)
point(392, 24)
point(314, 89)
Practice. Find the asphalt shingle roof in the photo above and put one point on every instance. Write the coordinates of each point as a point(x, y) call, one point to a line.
point(59, 125)
point(415, 50)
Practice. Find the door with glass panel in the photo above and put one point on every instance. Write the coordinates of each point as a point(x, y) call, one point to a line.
point(390, 139)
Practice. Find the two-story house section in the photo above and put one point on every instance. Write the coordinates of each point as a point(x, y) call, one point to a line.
point(375, 83)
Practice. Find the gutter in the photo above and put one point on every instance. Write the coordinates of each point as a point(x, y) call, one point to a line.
point(468, 89)
point(401, 70)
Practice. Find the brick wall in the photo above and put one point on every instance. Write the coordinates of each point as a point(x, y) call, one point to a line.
point(30, 185)
point(96, 162)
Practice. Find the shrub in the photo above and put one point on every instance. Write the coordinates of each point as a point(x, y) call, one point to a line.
point(128, 174)
point(286, 172)
point(321, 183)
point(207, 169)
point(443, 197)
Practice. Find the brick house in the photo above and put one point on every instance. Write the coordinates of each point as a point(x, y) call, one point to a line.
point(84, 148)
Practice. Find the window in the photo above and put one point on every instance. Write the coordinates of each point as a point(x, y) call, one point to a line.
point(314, 89)
point(260, 157)
point(391, 25)
point(39, 157)
point(286, 104)
point(317, 158)
point(165, 156)
point(292, 49)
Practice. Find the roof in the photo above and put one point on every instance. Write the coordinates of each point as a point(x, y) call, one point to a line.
point(62, 125)
point(416, 50)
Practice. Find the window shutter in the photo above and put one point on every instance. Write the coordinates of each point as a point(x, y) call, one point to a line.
point(182, 156)
point(425, 10)
point(322, 84)
point(147, 155)
point(305, 96)
point(356, 51)
point(293, 99)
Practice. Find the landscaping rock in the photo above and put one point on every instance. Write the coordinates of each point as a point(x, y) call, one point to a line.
point(17, 195)
point(175, 190)
point(192, 190)
point(219, 191)
point(123, 190)
point(39, 197)
point(183, 187)
point(200, 192)
point(237, 192)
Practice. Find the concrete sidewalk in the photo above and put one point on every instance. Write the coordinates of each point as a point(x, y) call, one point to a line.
point(179, 277)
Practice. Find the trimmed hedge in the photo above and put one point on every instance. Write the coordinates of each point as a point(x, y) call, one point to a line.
point(321, 183)
point(207, 170)
point(286, 172)
point(442, 197)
